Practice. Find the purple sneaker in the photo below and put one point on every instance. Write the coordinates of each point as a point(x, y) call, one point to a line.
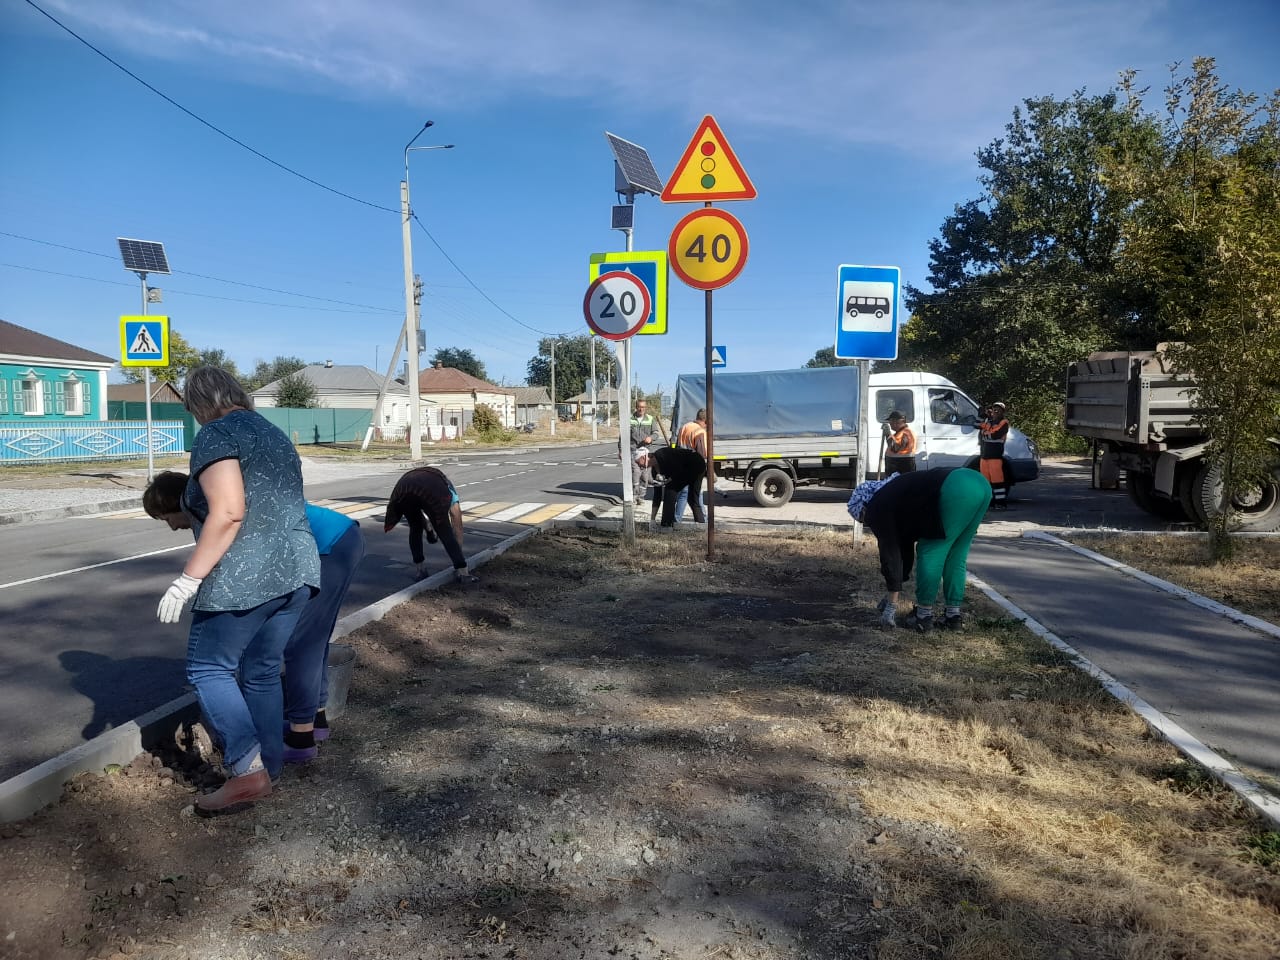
point(321, 734)
point(300, 754)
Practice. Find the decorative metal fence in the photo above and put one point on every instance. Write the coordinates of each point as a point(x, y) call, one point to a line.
point(48, 441)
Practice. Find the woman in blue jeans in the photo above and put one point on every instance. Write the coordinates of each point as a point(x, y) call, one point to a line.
point(306, 655)
point(254, 567)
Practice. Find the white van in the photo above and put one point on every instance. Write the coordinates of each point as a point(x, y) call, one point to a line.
point(775, 430)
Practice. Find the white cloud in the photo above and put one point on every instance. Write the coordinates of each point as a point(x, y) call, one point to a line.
point(921, 76)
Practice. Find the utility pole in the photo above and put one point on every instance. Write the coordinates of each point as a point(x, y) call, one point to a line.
point(410, 324)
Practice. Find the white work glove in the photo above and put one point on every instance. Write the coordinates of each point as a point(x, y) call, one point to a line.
point(464, 575)
point(181, 592)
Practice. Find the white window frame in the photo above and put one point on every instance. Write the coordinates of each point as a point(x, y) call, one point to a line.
point(73, 393)
point(32, 394)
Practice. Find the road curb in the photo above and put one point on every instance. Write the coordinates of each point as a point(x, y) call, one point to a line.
point(132, 501)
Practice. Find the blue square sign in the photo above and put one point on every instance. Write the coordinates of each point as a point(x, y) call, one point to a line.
point(867, 312)
point(650, 268)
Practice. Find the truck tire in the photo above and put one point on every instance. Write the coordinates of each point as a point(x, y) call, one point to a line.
point(1187, 483)
point(1141, 491)
point(773, 487)
point(1257, 509)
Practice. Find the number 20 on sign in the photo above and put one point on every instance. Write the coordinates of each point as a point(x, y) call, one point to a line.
point(708, 248)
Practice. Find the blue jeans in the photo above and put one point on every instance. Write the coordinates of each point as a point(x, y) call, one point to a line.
point(244, 717)
point(682, 500)
point(306, 655)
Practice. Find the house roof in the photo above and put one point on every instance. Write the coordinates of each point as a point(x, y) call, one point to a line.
point(453, 380)
point(531, 396)
point(19, 342)
point(162, 391)
point(605, 395)
point(338, 378)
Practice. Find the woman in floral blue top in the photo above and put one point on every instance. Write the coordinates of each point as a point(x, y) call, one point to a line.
point(253, 569)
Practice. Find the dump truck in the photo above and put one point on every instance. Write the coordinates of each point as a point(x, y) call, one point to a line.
point(1140, 418)
point(775, 430)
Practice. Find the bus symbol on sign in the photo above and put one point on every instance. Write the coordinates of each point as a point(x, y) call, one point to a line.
point(877, 305)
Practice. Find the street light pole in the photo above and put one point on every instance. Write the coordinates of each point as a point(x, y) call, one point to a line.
point(555, 410)
point(410, 307)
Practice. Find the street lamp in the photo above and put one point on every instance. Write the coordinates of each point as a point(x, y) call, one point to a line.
point(410, 307)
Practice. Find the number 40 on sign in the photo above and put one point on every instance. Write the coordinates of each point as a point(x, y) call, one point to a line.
point(708, 248)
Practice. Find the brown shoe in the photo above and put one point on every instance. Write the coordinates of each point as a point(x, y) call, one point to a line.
point(238, 793)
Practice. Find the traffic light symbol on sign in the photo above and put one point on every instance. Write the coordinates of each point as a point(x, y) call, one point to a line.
point(709, 170)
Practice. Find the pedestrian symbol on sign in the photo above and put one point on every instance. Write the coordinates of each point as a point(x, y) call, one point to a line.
point(143, 343)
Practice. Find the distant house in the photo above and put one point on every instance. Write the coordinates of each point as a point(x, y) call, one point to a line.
point(532, 404)
point(48, 379)
point(161, 392)
point(605, 405)
point(349, 387)
point(453, 396)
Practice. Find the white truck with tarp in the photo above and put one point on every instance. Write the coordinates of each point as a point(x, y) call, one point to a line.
point(775, 430)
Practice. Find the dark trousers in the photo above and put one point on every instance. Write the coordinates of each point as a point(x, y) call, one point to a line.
point(896, 464)
point(669, 493)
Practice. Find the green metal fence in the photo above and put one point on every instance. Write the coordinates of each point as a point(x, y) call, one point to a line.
point(319, 425)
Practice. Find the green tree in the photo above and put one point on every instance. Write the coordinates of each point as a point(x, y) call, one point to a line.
point(460, 359)
point(826, 357)
point(215, 357)
point(277, 369)
point(183, 358)
point(297, 391)
point(573, 365)
point(1203, 235)
point(1024, 278)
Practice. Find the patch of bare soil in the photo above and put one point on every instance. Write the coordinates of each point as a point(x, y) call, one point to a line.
point(645, 754)
point(1249, 581)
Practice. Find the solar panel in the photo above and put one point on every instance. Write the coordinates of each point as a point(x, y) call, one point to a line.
point(143, 256)
point(635, 166)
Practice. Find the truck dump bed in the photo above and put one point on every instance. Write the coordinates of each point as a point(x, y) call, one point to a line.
point(777, 413)
point(1130, 398)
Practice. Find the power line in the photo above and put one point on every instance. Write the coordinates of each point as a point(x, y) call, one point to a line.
point(203, 276)
point(200, 119)
point(477, 289)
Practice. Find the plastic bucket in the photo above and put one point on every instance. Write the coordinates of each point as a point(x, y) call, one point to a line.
point(342, 666)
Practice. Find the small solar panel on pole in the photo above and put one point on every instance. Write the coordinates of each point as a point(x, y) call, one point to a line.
point(143, 257)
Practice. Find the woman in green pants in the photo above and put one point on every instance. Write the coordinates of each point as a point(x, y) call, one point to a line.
point(925, 519)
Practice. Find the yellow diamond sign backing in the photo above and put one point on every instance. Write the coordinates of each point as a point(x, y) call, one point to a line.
point(709, 170)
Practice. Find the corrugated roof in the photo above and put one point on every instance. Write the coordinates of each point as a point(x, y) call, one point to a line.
point(18, 341)
point(339, 378)
point(453, 380)
point(603, 395)
point(162, 391)
point(531, 396)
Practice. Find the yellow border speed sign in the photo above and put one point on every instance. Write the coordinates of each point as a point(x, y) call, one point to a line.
point(708, 248)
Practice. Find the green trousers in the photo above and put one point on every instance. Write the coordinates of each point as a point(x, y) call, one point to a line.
point(963, 501)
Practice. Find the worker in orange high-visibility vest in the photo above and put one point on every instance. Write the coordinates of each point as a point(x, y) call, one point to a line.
point(994, 428)
point(900, 445)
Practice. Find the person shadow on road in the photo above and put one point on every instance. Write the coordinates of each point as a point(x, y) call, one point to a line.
point(102, 679)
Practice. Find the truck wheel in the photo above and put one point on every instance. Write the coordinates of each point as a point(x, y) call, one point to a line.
point(1187, 485)
point(773, 487)
point(1141, 491)
point(1257, 508)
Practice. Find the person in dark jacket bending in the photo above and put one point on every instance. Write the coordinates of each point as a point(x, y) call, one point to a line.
point(929, 518)
point(425, 498)
point(678, 469)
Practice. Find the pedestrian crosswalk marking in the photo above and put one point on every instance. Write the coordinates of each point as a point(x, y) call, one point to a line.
point(526, 514)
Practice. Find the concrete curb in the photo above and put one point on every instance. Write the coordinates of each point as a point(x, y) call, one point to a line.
point(1263, 802)
point(132, 501)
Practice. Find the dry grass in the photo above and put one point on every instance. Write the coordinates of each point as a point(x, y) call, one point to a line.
point(648, 754)
point(1250, 581)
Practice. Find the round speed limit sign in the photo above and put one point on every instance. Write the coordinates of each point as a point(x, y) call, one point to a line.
point(708, 248)
point(616, 305)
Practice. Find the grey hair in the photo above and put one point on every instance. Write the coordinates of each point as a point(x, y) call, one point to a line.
point(211, 391)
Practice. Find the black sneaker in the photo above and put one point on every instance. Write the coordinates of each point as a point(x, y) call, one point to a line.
point(919, 624)
point(954, 622)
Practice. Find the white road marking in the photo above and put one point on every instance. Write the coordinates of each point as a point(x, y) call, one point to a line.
point(94, 566)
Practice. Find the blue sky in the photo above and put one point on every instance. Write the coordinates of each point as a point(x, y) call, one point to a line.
point(857, 122)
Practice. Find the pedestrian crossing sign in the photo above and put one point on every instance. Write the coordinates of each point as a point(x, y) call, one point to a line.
point(144, 341)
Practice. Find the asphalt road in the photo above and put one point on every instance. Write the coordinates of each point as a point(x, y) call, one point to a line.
point(82, 650)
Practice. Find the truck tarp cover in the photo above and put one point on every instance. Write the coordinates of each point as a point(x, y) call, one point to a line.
point(814, 402)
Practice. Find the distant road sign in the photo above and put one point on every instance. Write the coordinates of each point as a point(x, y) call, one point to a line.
point(144, 341)
point(708, 248)
point(709, 170)
point(616, 305)
point(867, 312)
point(719, 357)
point(650, 266)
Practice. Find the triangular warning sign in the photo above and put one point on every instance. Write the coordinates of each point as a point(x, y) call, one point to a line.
point(144, 343)
point(709, 170)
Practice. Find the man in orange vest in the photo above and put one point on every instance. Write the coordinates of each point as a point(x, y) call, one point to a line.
point(994, 428)
point(900, 442)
